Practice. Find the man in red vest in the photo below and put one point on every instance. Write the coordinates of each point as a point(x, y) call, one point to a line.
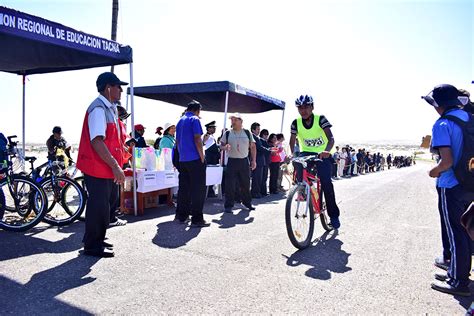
point(100, 159)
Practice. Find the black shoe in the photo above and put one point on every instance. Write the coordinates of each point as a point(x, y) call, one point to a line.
point(107, 245)
point(441, 277)
point(250, 207)
point(180, 221)
point(442, 263)
point(256, 196)
point(201, 224)
point(99, 253)
point(449, 289)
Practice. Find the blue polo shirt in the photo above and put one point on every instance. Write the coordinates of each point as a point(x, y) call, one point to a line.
point(448, 134)
point(187, 127)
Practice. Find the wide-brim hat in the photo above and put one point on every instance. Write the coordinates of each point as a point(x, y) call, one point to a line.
point(168, 125)
point(445, 95)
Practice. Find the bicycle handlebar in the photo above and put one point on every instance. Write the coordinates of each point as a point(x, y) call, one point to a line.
point(304, 160)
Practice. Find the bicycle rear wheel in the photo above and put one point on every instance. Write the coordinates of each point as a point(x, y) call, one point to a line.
point(66, 200)
point(299, 217)
point(25, 203)
point(81, 181)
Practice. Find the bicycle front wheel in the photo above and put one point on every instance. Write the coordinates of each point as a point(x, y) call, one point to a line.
point(299, 217)
point(25, 203)
point(66, 199)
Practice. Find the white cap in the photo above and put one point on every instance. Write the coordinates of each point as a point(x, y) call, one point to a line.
point(236, 115)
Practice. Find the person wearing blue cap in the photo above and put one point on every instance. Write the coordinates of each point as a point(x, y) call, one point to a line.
point(447, 141)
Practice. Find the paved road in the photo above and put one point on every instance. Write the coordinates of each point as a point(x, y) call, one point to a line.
point(379, 262)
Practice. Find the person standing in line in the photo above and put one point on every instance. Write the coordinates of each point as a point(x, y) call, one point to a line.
point(453, 199)
point(100, 160)
point(335, 170)
point(275, 161)
point(139, 132)
point(281, 145)
point(264, 138)
point(168, 140)
point(238, 142)
point(192, 168)
point(212, 152)
point(257, 173)
point(342, 162)
point(159, 131)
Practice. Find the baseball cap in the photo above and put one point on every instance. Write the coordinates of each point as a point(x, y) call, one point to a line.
point(108, 78)
point(236, 115)
point(444, 95)
point(139, 127)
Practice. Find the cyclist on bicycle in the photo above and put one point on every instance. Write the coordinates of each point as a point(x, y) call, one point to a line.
point(58, 147)
point(315, 137)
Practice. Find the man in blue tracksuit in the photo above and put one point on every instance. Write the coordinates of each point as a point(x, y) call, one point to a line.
point(447, 140)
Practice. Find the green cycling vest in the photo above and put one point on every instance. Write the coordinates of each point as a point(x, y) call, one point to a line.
point(313, 140)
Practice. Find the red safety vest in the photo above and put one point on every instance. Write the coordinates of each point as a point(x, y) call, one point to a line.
point(88, 161)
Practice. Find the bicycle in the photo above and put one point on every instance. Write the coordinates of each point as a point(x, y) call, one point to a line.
point(23, 203)
point(305, 203)
point(66, 197)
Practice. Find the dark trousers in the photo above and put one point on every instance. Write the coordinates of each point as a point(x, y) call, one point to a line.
point(274, 173)
point(456, 241)
point(263, 186)
point(192, 190)
point(103, 197)
point(257, 175)
point(324, 169)
point(238, 171)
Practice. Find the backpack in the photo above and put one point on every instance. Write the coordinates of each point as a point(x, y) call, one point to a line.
point(464, 170)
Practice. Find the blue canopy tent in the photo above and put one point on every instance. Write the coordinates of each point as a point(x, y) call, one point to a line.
point(33, 45)
point(219, 96)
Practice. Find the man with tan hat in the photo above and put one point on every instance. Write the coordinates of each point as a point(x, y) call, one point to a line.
point(238, 143)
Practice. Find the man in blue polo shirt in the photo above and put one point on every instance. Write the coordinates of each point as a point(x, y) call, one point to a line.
point(447, 141)
point(192, 167)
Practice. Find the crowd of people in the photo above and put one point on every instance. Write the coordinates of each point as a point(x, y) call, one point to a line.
point(347, 163)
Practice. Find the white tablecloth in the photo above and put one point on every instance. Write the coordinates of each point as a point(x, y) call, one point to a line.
point(149, 181)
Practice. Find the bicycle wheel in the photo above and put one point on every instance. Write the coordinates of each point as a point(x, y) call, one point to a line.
point(66, 200)
point(25, 203)
point(299, 217)
point(81, 181)
point(323, 216)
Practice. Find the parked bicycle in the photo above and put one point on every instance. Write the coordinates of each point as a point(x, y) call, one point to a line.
point(66, 197)
point(305, 203)
point(23, 203)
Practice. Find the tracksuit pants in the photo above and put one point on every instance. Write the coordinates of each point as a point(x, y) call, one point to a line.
point(192, 190)
point(456, 241)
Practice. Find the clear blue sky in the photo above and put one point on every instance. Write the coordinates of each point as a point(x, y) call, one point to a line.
point(366, 62)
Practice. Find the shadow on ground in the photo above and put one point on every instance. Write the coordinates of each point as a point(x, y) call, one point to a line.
point(324, 256)
point(174, 235)
point(16, 245)
point(38, 295)
point(229, 220)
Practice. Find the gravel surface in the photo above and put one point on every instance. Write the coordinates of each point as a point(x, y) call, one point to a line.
point(380, 261)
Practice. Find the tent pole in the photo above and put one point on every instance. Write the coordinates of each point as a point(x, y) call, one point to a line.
point(226, 106)
point(282, 119)
point(126, 103)
point(23, 120)
point(133, 135)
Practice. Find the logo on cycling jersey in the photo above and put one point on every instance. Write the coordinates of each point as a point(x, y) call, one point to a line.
point(314, 142)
